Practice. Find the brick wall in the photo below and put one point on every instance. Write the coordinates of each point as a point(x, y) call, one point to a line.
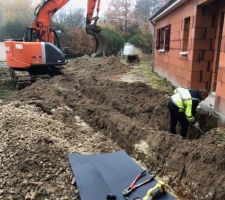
point(220, 87)
point(171, 65)
point(204, 46)
point(199, 69)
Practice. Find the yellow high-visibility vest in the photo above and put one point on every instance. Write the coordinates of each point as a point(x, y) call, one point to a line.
point(183, 100)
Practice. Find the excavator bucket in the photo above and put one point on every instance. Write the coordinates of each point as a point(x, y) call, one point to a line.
point(100, 39)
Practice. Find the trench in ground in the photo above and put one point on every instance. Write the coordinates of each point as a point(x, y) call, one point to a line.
point(135, 116)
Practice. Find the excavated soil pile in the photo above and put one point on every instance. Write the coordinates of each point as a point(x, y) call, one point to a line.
point(34, 150)
point(133, 115)
point(79, 42)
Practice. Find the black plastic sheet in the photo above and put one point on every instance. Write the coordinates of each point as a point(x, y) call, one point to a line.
point(101, 174)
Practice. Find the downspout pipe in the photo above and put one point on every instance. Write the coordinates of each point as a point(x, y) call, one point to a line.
point(153, 47)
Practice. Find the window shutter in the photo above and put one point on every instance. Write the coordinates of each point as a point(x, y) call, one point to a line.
point(157, 39)
point(167, 38)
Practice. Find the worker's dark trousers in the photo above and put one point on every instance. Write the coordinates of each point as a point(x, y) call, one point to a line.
point(176, 116)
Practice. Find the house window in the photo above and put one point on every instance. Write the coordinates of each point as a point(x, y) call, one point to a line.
point(163, 38)
point(186, 31)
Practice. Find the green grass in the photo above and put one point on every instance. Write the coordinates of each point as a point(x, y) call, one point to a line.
point(153, 79)
point(6, 89)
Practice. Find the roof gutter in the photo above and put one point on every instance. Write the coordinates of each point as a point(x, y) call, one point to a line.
point(172, 5)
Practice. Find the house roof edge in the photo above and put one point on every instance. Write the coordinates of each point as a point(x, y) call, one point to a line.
point(166, 9)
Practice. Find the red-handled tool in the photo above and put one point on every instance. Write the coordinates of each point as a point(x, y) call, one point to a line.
point(133, 187)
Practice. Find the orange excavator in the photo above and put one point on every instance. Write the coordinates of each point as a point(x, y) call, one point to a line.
point(40, 46)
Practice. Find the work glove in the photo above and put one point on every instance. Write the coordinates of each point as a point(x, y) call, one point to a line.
point(197, 125)
point(181, 110)
point(191, 119)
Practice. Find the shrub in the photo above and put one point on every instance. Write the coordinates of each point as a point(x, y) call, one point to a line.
point(143, 41)
point(114, 41)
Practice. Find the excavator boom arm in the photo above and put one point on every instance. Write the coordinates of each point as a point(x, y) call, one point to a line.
point(92, 5)
point(46, 10)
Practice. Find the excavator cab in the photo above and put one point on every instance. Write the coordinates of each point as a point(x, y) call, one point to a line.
point(32, 35)
point(29, 36)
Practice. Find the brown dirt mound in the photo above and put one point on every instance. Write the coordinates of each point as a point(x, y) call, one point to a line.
point(101, 68)
point(136, 117)
point(34, 150)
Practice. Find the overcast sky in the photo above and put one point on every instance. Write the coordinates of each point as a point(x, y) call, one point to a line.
point(81, 4)
point(75, 4)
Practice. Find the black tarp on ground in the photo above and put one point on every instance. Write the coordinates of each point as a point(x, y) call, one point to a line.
point(101, 174)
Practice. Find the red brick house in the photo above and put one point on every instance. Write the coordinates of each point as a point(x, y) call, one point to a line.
point(190, 45)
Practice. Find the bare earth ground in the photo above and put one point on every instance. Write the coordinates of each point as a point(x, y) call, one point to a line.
point(89, 109)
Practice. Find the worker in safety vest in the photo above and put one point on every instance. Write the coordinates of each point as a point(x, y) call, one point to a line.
point(182, 106)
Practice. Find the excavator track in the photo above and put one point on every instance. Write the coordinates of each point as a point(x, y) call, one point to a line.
point(21, 78)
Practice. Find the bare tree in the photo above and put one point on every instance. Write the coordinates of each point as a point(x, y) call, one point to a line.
point(70, 18)
point(145, 8)
point(19, 10)
point(15, 16)
point(1, 14)
point(119, 14)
